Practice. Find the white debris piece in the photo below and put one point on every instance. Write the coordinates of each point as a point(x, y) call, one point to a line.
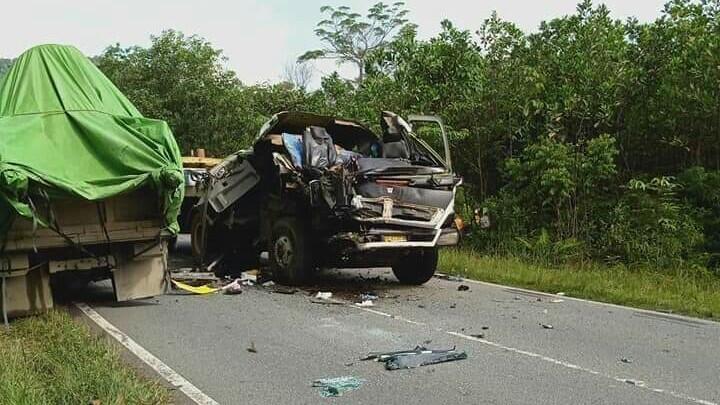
point(366, 303)
point(323, 295)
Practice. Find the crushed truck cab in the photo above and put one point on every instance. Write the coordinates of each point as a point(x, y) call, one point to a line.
point(318, 191)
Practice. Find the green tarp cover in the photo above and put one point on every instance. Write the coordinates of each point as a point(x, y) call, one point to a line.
point(67, 131)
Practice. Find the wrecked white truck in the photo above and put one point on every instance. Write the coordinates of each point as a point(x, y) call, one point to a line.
point(317, 191)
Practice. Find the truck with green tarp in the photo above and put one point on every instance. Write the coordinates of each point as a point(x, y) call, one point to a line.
point(89, 188)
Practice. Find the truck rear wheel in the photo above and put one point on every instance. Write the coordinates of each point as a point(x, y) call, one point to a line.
point(289, 252)
point(196, 235)
point(417, 267)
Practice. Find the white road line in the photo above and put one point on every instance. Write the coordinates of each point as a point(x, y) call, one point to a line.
point(170, 375)
point(598, 303)
point(636, 383)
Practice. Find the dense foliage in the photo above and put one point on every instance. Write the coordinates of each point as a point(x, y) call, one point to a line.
point(5, 65)
point(590, 138)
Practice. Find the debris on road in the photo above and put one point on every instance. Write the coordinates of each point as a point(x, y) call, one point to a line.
point(323, 295)
point(556, 301)
point(625, 360)
point(364, 304)
point(325, 298)
point(335, 387)
point(250, 275)
point(369, 296)
point(418, 357)
point(232, 288)
point(449, 278)
point(546, 326)
point(635, 382)
point(193, 277)
point(463, 287)
point(202, 290)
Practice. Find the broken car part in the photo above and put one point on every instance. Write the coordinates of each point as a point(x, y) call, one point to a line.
point(335, 387)
point(420, 356)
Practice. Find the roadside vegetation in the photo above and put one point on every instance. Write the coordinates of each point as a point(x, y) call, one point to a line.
point(683, 292)
point(52, 360)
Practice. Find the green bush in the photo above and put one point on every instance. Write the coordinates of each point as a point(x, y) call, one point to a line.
point(651, 225)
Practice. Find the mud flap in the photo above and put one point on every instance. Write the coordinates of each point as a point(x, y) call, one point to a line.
point(25, 292)
point(141, 276)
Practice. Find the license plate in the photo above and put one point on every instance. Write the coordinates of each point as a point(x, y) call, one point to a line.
point(395, 238)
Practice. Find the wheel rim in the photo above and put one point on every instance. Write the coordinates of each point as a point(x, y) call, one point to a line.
point(283, 251)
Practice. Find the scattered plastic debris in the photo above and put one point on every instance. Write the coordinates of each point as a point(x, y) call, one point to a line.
point(335, 387)
point(635, 382)
point(546, 326)
point(463, 287)
point(369, 296)
point(250, 275)
point(449, 278)
point(323, 295)
point(232, 288)
point(364, 304)
point(252, 348)
point(418, 357)
point(204, 289)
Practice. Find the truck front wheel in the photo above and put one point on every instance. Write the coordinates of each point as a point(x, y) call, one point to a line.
point(417, 267)
point(290, 260)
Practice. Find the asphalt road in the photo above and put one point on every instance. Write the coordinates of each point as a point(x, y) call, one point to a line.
point(594, 354)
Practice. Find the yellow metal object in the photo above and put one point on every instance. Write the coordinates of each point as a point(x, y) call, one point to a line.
point(205, 289)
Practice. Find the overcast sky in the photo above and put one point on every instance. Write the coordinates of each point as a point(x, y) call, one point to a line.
point(258, 37)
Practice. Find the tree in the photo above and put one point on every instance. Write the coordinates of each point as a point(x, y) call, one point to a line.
point(351, 38)
point(299, 74)
point(181, 80)
point(5, 65)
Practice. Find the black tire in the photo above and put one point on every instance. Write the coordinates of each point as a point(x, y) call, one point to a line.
point(289, 250)
point(196, 235)
point(417, 267)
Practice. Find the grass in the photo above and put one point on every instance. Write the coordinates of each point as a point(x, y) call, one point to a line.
point(51, 359)
point(678, 292)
